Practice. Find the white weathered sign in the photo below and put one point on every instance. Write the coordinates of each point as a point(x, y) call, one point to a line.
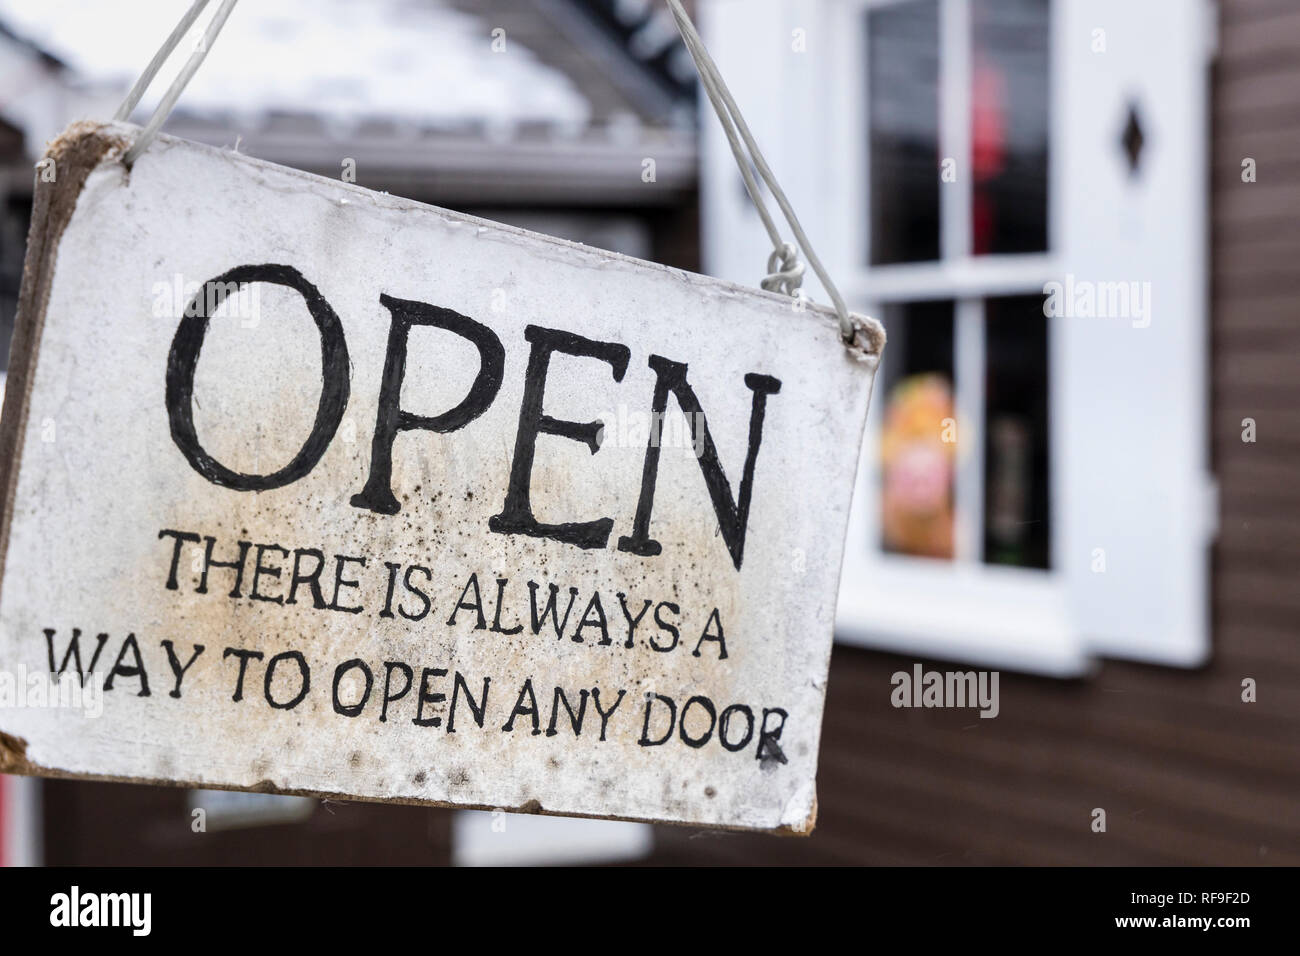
point(310, 483)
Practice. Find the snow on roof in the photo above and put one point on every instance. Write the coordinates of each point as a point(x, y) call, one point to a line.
point(413, 61)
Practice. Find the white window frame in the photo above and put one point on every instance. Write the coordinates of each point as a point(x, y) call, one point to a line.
point(21, 821)
point(1128, 404)
point(961, 609)
point(498, 838)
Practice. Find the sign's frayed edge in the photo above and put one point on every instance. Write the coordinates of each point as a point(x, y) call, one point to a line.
point(13, 760)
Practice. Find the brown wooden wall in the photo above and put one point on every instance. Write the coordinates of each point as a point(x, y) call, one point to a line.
point(1186, 772)
point(116, 824)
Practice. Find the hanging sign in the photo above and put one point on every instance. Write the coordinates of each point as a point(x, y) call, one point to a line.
point(310, 489)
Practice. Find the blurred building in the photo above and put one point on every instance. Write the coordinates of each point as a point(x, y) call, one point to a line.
point(1075, 218)
point(546, 114)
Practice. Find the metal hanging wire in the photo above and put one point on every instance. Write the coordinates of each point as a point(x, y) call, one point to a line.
point(785, 270)
point(182, 80)
point(742, 141)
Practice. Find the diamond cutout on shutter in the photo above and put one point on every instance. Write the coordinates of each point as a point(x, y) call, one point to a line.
point(1133, 139)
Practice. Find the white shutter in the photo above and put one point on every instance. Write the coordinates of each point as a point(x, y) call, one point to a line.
point(1130, 404)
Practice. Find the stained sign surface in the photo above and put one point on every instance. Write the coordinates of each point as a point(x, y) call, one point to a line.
point(311, 489)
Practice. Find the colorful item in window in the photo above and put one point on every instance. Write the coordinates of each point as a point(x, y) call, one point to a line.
point(917, 467)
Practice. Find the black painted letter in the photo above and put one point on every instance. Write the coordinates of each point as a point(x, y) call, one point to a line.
point(733, 514)
point(516, 515)
point(378, 495)
point(183, 360)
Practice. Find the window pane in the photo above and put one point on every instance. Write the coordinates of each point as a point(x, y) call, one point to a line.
point(1009, 131)
point(903, 99)
point(917, 503)
point(1017, 516)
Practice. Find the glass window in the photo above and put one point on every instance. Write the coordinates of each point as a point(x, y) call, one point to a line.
point(917, 449)
point(1016, 507)
point(983, 137)
point(1009, 90)
point(975, 73)
point(903, 98)
point(922, 464)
